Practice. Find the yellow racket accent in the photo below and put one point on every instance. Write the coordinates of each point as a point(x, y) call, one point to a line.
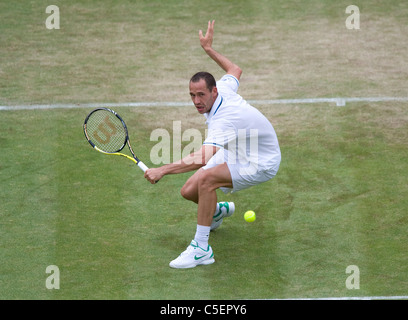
point(117, 154)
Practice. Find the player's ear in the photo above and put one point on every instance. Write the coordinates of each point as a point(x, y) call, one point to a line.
point(214, 90)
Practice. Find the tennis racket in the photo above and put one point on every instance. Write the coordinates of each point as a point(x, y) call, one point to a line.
point(106, 131)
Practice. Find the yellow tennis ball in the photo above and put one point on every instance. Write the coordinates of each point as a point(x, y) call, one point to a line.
point(249, 216)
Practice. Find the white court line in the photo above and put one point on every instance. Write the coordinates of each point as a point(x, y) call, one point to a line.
point(94, 105)
point(340, 102)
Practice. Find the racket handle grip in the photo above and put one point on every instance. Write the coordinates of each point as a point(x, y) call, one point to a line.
point(142, 166)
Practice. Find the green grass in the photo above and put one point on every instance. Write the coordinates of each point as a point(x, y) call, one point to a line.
point(340, 196)
point(339, 199)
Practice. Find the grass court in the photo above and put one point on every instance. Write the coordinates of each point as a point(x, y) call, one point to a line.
point(340, 197)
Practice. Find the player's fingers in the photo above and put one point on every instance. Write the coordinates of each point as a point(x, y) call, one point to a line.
point(209, 29)
point(147, 176)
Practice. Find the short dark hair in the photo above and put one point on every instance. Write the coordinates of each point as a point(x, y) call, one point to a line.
point(208, 77)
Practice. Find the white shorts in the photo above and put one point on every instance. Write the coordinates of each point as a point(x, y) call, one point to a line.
point(244, 175)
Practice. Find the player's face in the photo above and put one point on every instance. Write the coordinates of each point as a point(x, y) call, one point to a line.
point(202, 98)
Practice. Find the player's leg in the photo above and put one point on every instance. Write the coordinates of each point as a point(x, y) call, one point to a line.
point(209, 181)
point(190, 189)
point(202, 187)
point(190, 192)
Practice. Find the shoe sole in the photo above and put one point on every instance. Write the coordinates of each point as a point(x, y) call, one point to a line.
point(189, 266)
point(216, 224)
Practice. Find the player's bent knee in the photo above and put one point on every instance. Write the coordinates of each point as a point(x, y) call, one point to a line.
point(206, 182)
point(187, 192)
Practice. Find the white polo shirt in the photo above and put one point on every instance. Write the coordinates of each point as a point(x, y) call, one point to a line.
point(236, 126)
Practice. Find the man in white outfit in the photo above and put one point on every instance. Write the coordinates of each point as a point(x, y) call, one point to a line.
point(241, 150)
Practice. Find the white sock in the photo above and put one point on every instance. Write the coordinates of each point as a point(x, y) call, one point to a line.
point(202, 235)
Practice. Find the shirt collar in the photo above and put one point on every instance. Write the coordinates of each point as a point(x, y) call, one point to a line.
point(214, 108)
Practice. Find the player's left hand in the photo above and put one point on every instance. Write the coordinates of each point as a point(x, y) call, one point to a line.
point(206, 41)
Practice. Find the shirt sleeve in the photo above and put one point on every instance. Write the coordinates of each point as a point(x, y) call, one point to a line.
point(228, 84)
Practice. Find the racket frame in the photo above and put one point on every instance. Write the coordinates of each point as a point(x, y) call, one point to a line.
point(135, 159)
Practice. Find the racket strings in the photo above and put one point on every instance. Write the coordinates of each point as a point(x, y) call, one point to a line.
point(106, 131)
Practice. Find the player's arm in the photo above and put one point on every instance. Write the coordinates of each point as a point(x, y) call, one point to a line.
point(222, 61)
point(191, 162)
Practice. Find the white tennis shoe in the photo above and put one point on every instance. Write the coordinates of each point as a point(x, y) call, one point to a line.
point(193, 256)
point(225, 209)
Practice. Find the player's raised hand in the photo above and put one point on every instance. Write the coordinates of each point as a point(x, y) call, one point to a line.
point(206, 41)
point(222, 61)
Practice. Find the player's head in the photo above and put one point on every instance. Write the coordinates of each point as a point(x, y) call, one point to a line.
point(203, 91)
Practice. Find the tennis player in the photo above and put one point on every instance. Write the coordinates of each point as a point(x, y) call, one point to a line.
point(241, 150)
